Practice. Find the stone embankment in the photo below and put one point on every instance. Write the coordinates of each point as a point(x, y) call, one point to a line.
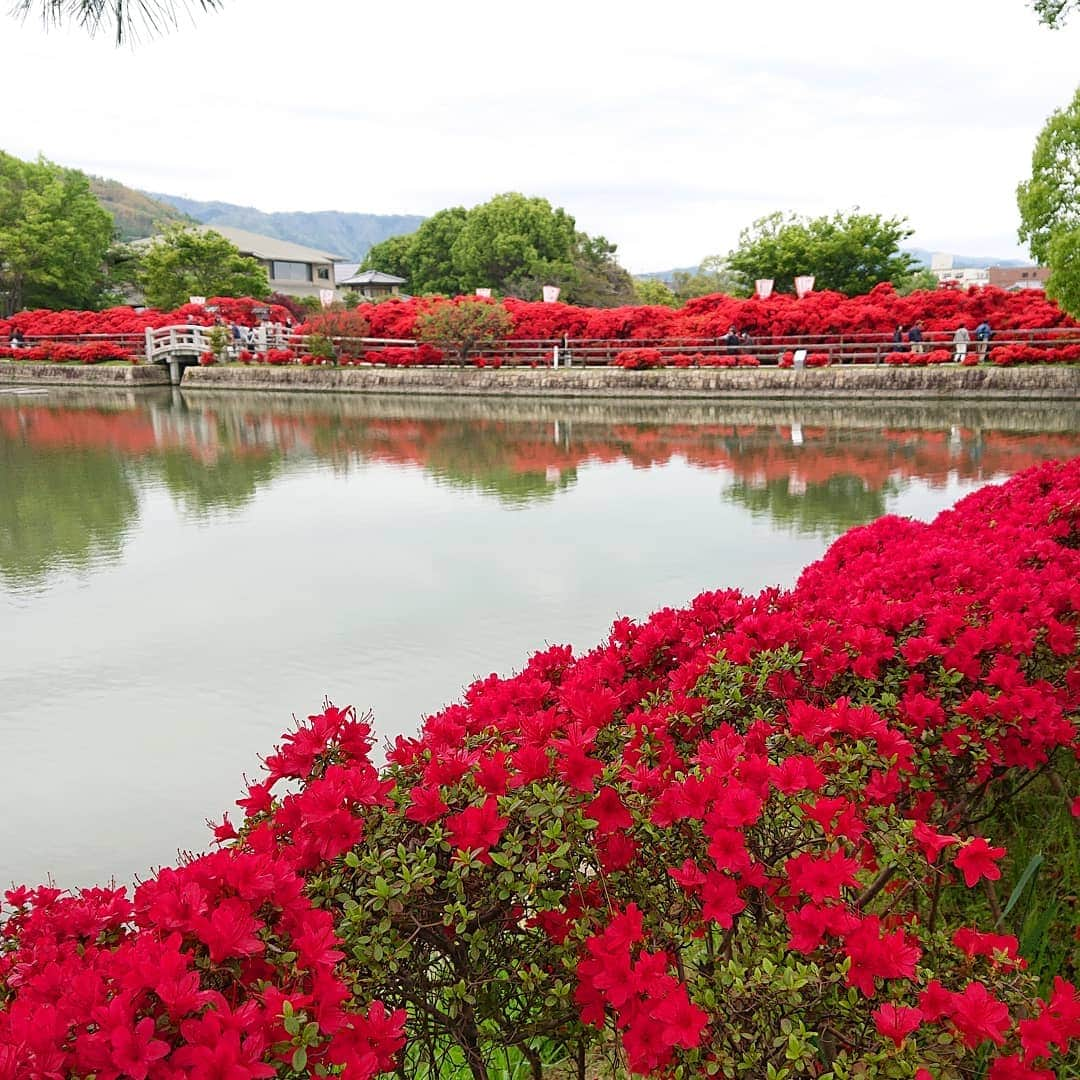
point(126, 375)
point(1055, 383)
point(1060, 383)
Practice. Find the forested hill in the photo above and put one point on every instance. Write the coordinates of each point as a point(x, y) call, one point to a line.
point(135, 213)
point(346, 234)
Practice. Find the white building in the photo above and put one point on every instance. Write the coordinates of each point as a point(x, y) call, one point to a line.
point(942, 266)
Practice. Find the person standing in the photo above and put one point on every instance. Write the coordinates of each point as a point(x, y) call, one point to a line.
point(898, 339)
point(982, 339)
point(960, 343)
point(916, 338)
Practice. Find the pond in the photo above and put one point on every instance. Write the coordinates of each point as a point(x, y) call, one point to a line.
point(180, 574)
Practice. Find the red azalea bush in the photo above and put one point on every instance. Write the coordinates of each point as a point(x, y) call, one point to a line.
point(877, 312)
point(636, 359)
point(125, 320)
point(1007, 355)
point(747, 838)
point(278, 357)
point(405, 356)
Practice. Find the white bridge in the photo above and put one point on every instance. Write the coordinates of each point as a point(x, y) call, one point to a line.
point(181, 346)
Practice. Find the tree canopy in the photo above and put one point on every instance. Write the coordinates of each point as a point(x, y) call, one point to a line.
point(53, 236)
point(125, 20)
point(184, 262)
point(1050, 204)
point(1054, 12)
point(849, 253)
point(511, 244)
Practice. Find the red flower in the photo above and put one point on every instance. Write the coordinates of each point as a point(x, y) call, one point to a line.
point(978, 1016)
point(608, 811)
point(230, 931)
point(478, 828)
point(426, 805)
point(896, 1022)
point(976, 859)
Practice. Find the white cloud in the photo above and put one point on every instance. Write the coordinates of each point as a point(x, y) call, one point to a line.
point(667, 129)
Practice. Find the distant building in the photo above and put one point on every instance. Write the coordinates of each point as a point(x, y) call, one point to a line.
point(291, 268)
point(1019, 277)
point(1003, 277)
point(371, 284)
point(942, 266)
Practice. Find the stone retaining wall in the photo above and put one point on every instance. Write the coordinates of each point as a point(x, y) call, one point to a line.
point(15, 373)
point(985, 382)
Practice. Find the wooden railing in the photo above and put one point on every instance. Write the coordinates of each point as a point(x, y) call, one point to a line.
point(188, 342)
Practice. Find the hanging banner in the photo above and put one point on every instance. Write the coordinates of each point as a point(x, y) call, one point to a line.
point(200, 300)
point(803, 285)
point(551, 293)
point(485, 293)
point(326, 297)
point(763, 288)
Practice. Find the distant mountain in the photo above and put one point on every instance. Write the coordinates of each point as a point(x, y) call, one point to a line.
point(961, 262)
point(135, 214)
point(666, 276)
point(347, 234)
point(921, 256)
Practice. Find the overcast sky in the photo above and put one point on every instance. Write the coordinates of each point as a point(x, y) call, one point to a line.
point(665, 126)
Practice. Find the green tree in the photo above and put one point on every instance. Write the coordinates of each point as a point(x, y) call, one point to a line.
point(920, 280)
point(184, 262)
point(512, 241)
point(712, 276)
point(1049, 202)
point(123, 19)
point(1063, 257)
point(850, 253)
point(655, 292)
point(598, 279)
point(464, 326)
point(53, 236)
point(513, 245)
point(1053, 13)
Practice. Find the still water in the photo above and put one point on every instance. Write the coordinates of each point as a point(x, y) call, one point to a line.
point(180, 574)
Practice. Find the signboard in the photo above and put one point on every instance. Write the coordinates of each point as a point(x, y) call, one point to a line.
point(763, 287)
point(200, 300)
point(551, 293)
point(485, 293)
point(804, 285)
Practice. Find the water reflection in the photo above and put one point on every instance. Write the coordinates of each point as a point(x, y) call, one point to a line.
point(70, 464)
point(181, 572)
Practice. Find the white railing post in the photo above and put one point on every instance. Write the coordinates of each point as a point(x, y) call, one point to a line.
point(149, 344)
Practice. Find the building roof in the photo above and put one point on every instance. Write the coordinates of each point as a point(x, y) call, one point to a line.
point(372, 277)
point(270, 248)
point(343, 270)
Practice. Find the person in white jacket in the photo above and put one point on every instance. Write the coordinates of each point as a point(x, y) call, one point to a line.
point(960, 343)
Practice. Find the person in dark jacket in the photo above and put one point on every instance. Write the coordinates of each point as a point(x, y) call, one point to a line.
point(898, 344)
point(916, 338)
point(982, 339)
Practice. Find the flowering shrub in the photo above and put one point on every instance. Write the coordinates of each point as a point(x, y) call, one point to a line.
point(1007, 355)
point(638, 358)
point(280, 356)
point(736, 837)
point(206, 359)
point(879, 311)
point(221, 967)
point(93, 352)
point(403, 356)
